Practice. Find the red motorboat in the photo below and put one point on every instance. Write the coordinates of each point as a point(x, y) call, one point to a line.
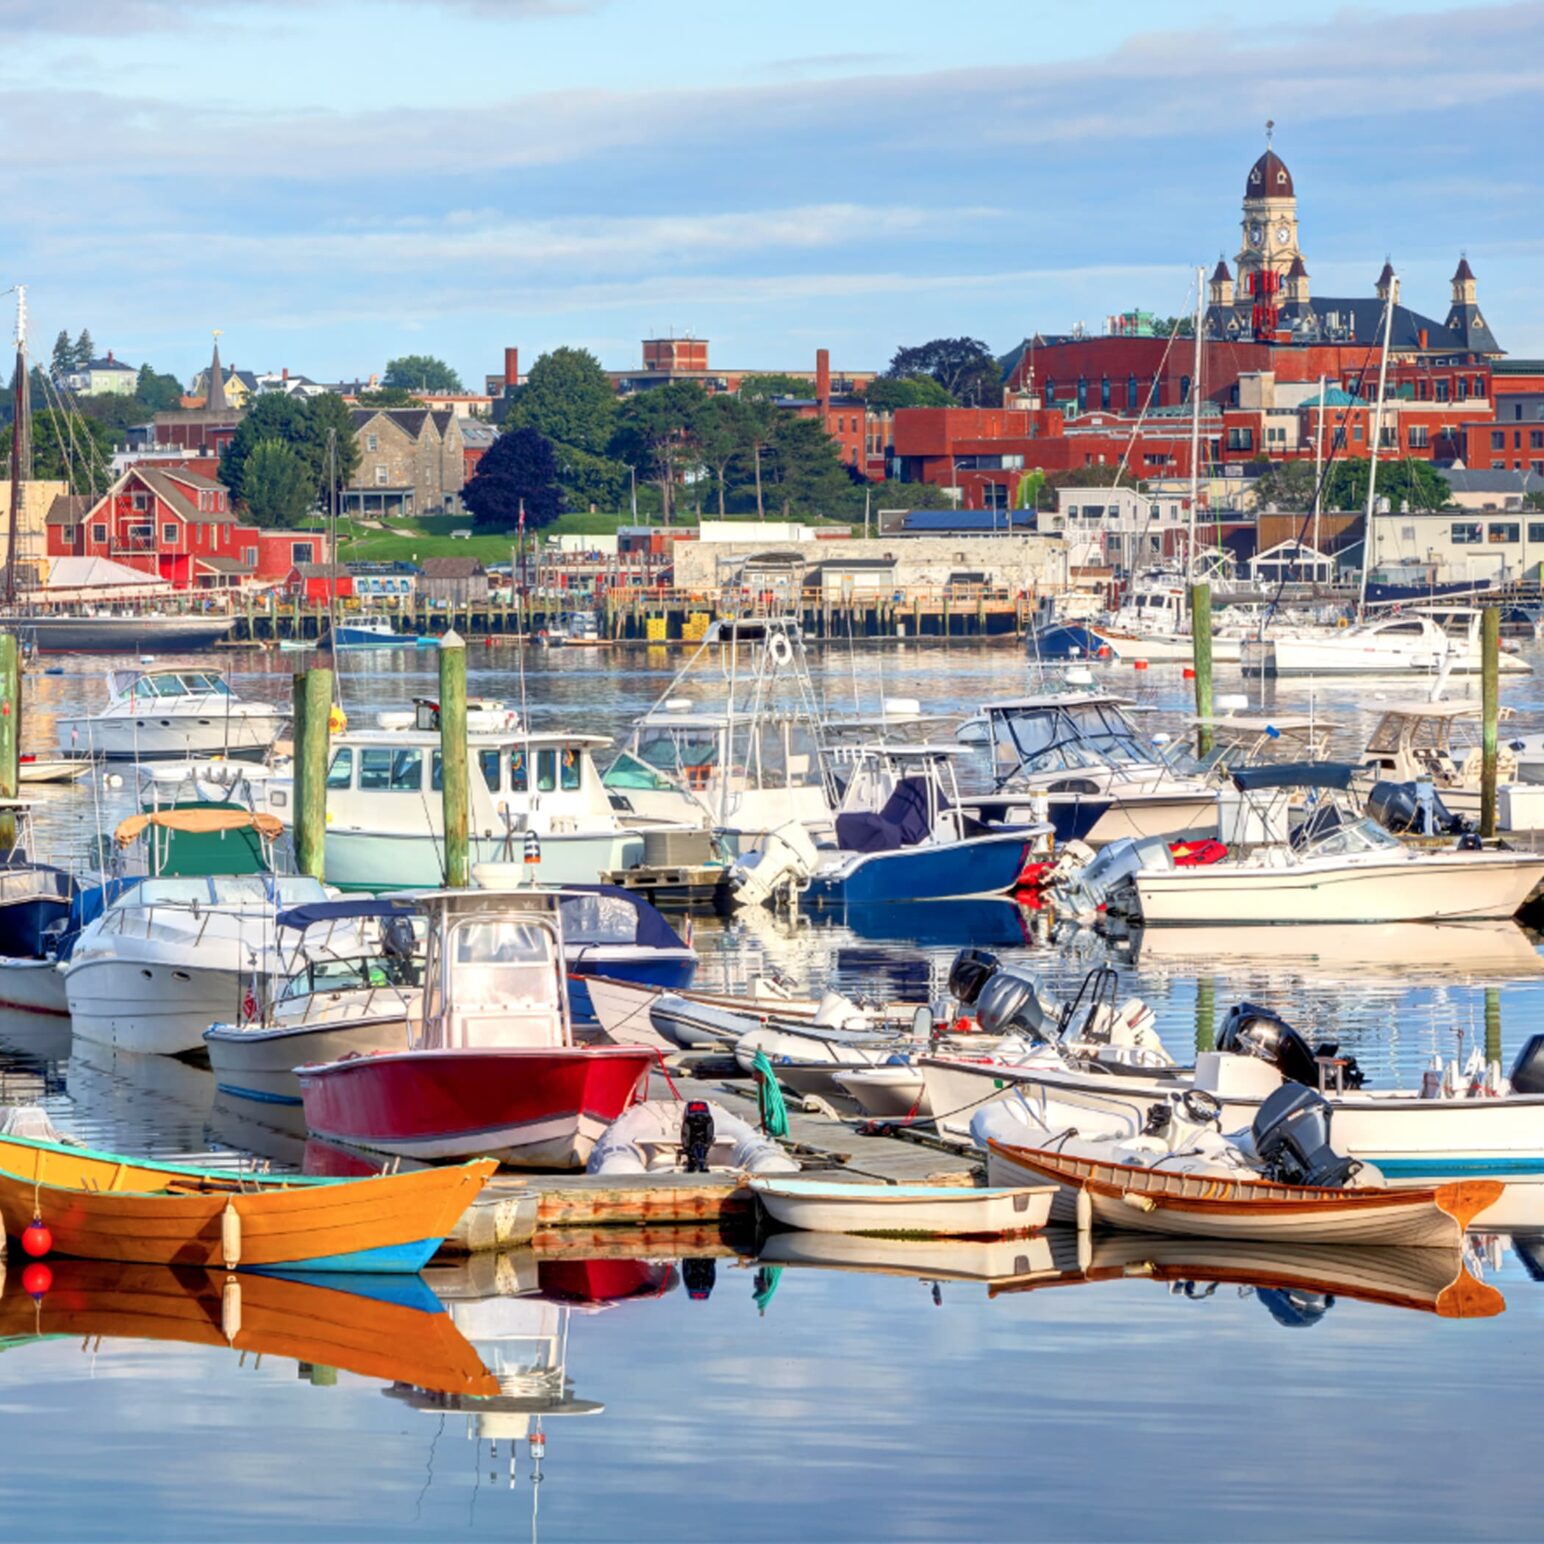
point(494, 1069)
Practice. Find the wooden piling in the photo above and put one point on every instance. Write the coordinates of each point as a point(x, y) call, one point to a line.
point(312, 714)
point(1206, 1014)
point(10, 734)
point(1201, 655)
point(1492, 1024)
point(1490, 713)
point(453, 768)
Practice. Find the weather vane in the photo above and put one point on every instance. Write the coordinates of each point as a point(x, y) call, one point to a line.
point(1270, 130)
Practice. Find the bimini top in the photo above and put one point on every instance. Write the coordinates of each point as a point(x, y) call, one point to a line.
point(1295, 774)
point(340, 911)
point(202, 822)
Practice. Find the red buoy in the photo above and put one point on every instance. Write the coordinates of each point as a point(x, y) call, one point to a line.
point(1139, 664)
point(36, 1239)
point(36, 1280)
point(1189, 673)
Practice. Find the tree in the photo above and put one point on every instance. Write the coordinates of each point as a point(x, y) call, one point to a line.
point(768, 388)
point(1407, 484)
point(887, 395)
point(806, 468)
point(519, 469)
point(1174, 326)
point(590, 481)
point(305, 427)
point(388, 396)
point(964, 367)
point(726, 428)
point(568, 398)
point(84, 350)
point(155, 392)
point(276, 486)
point(657, 433)
point(1289, 485)
point(421, 372)
point(69, 448)
point(63, 360)
point(328, 416)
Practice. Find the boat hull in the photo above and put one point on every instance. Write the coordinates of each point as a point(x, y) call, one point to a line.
point(118, 634)
point(155, 1006)
point(542, 1108)
point(102, 1207)
point(381, 860)
point(33, 986)
point(1434, 888)
point(982, 865)
point(665, 970)
point(1142, 1200)
point(932, 1211)
point(259, 1064)
point(239, 736)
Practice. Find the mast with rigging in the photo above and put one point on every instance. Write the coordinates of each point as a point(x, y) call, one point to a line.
point(20, 445)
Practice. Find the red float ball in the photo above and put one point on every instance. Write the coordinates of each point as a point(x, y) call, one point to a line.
point(36, 1280)
point(36, 1239)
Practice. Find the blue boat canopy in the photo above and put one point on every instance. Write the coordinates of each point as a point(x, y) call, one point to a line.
point(336, 911)
point(608, 914)
point(1295, 774)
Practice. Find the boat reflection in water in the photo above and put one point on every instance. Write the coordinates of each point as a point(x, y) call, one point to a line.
point(1440, 952)
point(986, 923)
point(391, 1328)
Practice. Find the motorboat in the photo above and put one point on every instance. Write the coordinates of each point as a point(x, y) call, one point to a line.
point(65, 767)
point(902, 833)
point(117, 632)
point(1408, 641)
point(171, 954)
point(35, 902)
point(819, 1205)
point(155, 714)
point(611, 932)
point(572, 630)
point(1153, 624)
point(1331, 866)
point(672, 1136)
point(375, 631)
point(385, 809)
point(1099, 776)
point(493, 1066)
point(745, 763)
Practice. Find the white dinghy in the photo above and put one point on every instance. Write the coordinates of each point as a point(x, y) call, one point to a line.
point(932, 1211)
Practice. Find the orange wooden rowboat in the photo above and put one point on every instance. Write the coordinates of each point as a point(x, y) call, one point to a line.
point(1156, 1200)
point(100, 1206)
point(396, 1339)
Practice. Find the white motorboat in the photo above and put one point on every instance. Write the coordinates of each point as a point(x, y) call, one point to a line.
point(385, 811)
point(935, 1211)
point(1153, 623)
point(1332, 868)
point(66, 767)
point(1398, 644)
point(1078, 756)
point(155, 714)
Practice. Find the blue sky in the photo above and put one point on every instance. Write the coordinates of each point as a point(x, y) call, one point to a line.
point(333, 183)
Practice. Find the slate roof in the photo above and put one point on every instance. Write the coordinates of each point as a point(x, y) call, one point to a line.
point(1478, 480)
point(919, 522)
point(68, 509)
point(410, 420)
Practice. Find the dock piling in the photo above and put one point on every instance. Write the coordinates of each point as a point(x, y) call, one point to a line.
point(1490, 713)
point(312, 713)
point(1201, 653)
point(453, 766)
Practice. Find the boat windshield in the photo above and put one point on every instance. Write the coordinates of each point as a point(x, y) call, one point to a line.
point(503, 963)
point(678, 752)
point(1060, 737)
point(1327, 834)
point(353, 975)
point(628, 772)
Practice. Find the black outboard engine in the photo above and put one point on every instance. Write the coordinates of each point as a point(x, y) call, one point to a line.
point(699, 1277)
point(971, 971)
point(1292, 1137)
point(1528, 1070)
point(1009, 1004)
point(696, 1136)
point(1250, 1030)
point(1396, 807)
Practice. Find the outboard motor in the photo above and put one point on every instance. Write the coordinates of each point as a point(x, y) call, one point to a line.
point(696, 1136)
point(1250, 1030)
point(1528, 1070)
point(1010, 1004)
point(699, 1278)
point(971, 971)
point(1405, 807)
point(1292, 1137)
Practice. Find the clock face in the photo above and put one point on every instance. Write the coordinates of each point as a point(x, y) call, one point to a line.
point(1256, 235)
point(1283, 236)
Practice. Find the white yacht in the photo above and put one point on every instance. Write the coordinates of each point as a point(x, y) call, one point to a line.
point(1414, 640)
point(385, 808)
point(155, 714)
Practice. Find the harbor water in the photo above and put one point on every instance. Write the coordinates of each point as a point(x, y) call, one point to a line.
point(685, 1387)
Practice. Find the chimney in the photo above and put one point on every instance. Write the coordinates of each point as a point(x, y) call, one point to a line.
point(284, 375)
point(1424, 336)
point(823, 378)
point(109, 356)
point(511, 367)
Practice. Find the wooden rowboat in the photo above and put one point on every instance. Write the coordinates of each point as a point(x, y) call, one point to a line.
point(401, 1335)
point(100, 1206)
point(928, 1211)
point(1145, 1200)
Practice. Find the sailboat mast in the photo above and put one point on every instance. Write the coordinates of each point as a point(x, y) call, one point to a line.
point(1377, 436)
point(18, 444)
point(1195, 428)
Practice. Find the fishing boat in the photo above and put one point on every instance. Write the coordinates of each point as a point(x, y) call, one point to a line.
point(935, 1211)
point(375, 631)
point(493, 1066)
point(1412, 641)
point(1155, 1200)
point(385, 812)
point(155, 714)
point(102, 1206)
point(1332, 866)
point(390, 1328)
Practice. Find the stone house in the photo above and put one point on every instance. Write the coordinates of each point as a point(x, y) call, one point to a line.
point(412, 461)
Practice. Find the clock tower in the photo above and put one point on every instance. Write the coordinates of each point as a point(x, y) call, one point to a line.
point(1270, 218)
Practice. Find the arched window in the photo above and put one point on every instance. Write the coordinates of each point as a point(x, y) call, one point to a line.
point(1082, 392)
point(1133, 399)
point(1184, 388)
point(1050, 391)
point(1104, 392)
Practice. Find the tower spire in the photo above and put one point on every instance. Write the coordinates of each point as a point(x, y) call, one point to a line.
point(1270, 132)
point(215, 396)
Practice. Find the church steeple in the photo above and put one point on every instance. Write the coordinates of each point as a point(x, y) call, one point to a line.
point(1270, 216)
point(215, 396)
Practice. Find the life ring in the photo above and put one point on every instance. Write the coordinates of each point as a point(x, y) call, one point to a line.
point(779, 649)
point(337, 720)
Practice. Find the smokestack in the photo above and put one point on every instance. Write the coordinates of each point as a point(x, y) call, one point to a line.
point(285, 375)
point(511, 367)
point(823, 378)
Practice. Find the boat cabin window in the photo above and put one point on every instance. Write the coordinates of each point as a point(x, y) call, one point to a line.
point(679, 751)
point(628, 772)
point(385, 770)
point(340, 773)
point(517, 775)
point(568, 769)
point(546, 771)
point(353, 975)
point(1403, 629)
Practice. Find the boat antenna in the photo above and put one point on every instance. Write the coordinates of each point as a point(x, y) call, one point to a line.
point(19, 445)
point(1377, 435)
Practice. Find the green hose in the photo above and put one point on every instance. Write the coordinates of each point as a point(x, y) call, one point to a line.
point(774, 1113)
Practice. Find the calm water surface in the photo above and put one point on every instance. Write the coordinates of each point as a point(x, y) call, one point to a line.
point(827, 1399)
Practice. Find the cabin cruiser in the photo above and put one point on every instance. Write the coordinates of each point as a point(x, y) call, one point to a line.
point(1412, 640)
point(375, 631)
point(385, 808)
point(752, 761)
point(173, 713)
point(35, 902)
point(1078, 756)
point(1331, 865)
point(1153, 623)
